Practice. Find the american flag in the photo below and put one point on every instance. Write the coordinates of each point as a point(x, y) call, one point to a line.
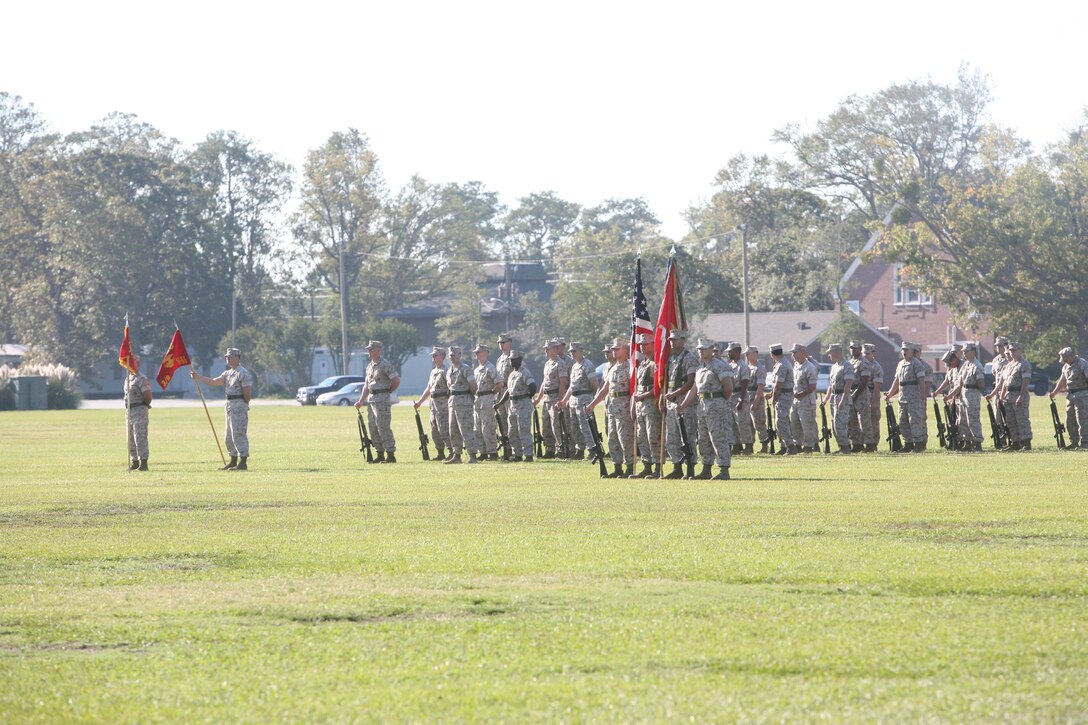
point(640, 321)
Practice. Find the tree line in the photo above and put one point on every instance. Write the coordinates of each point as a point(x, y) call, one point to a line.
point(119, 218)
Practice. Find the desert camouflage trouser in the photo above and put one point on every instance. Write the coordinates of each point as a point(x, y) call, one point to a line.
point(236, 432)
point(462, 425)
point(803, 419)
point(520, 414)
point(440, 422)
point(912, 420)
point(861, 419)
point(969, 416)
point(379, 412)
point(136, 431)
point(621, 431)
point(782, 423)
point(715, 431)
point(1017, 418)
point(758, 413)
point(486, 424)
point(648, 418)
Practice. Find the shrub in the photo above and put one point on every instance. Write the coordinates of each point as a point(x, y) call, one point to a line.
point(7, 390)
point(62, 384)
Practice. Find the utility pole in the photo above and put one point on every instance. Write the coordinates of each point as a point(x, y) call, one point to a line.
point(744, 280)
point(343, 311)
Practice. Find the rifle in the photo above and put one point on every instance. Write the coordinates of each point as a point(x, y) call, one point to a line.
point(564, 439)
point(504, 438)
point(423, 439)
point(598, 448)
point(825, 432)
point(940, 424)
point(538, 440)
point(686, 447)
point(995, 429)
point(771, 432)
point(1059, 429)
point(1006, 434)
point(364, 439)
point(895, 439)
point(951, 414)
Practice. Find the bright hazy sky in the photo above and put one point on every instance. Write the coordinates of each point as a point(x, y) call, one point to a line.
point(589, 99)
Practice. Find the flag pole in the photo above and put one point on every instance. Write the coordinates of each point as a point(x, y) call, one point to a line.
point(214, 434)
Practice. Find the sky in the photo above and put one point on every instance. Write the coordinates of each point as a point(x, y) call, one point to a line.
point(591, 100)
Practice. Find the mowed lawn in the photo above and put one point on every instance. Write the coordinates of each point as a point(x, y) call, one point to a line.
point(315, 587)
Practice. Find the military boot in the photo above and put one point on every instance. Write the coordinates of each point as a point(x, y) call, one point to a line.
point(380, 458)
point(793, 450)
point(763, 446)
point(1025, 446)
point(471, 458)
point(454, 458)
point(230, 466)
point(677, 471)
point(844, 451)
point(548, 455)
point(749, 449)
point(919, 448)
point(655, 471)
point(857, 448)
point(617, 471)
point(440, 455)
point(723, 474)
point(703, 474)
point(579, 456)
point(908, 448)
point(870, 448)
point(392, 457)
point(134, 464)
point(143, 465)
point(643, 473)
point(528, 459)
point(242, 464)
point(516, 459)
point(782, 451)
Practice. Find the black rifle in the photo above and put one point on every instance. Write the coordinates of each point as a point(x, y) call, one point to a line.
point(951, 414)
point(686, 447)
point(1003, 417)
point(825, 432)
point(1059, 429)
point(940, 424)
point(895, 438)
point(423, 439)
point(598, 447)
point(364, 439)
point(564, 439)
point(538, 440)
point(771, 432)
point(995, 429)
point(504, 437)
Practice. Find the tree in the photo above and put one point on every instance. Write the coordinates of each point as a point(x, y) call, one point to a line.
point(538, 223)
point(400, 341)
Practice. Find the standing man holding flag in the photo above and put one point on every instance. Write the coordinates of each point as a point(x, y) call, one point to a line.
point(137, 390)
point(674, 367)
point(237, 383)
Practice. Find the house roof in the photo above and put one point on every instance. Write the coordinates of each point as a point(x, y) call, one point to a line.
point(768, 328)
point(434, 306)
point(12, 349)
point(869, 244)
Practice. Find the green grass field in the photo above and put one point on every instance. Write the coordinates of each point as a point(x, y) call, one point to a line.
point(314, 587)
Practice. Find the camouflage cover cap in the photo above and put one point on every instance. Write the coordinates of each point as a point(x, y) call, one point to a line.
point(1001, 340)
point(576, 346)
point(480, 347)
point(917, 346)
point(233, 352)
point(1065, 352)
point(798, 347)
point(678, 334)
point(1015, 346)
point(735, 345)
point(776, 348)
point(705, 344)
point(515, 355)
point(644, 339)
point(972, 346)
point(906, 345)
point(949, 356)
point(618, 343)
point(833, 347)
point(374, 344)
point(455, 349)
point(868, 347)
point(436, 350)
point(504, 338)
point(750, 349)
point(855, 345)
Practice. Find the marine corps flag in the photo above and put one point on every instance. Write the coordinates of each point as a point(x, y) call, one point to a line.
point(670, 318)
point(124, 357)
point(176, 357)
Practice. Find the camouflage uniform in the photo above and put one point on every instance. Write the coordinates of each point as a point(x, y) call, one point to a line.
point(235, 434)
point(137, 390)
point(462, 416)
point(782, 373)
point(647, 414)
point(521, 411)
point(574, 432)
point(1016, 414)
point(912, 423)
point(715, 432)
point(803, 412)
point(876, 411)
point(380, 376)
point(841, 381)
point(758, 405)
point(621, 432)
point(486, 378)
point(860, 408)
point(1075, 375)
point(440, 408)
point(739, 406)
point(972, 376)
point(504, 368)
point(678, 367)
point(549, 420)
point(583, 386)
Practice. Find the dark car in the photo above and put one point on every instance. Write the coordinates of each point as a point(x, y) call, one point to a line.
point(308, 395)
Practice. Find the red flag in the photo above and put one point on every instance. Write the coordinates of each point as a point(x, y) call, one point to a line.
point(124, 357)
point(176, 357)
point(670, 318)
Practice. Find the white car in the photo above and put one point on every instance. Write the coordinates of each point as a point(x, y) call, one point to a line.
point(347, 395)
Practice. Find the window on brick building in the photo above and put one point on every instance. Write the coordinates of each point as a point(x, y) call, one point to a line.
point(903, 295)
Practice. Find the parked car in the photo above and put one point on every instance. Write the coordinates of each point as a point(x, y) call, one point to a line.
point(308, 395)
point(347, 395)
point(823, 377)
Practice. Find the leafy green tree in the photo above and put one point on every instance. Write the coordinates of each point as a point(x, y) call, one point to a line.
point(400, 341)
point(539, 222)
